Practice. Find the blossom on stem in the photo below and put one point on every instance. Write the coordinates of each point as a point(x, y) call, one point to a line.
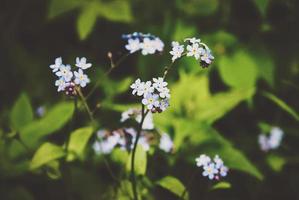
point(82, 63)
point(272, 141)
point(177, 51)
point(81, 78)
point(55, 67)
point(166, 144)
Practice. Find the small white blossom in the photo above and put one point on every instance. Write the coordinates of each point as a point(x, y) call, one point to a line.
point(276, 135)
point(145, 88)
point(210, 171)
point(60, 84)
point(194, 50)
point(81, 63)
point(164, 93)
point(218, 162)
point(65, 72)
point(81, 78)
point(158, 44)
point(192, 40)
point(177, 51)
point(136, 87)
point(147, 46)
point(164, 104)
point(151, 101)
point(133, 45)
point(223, 171)
point(148, 123)
point(58, 62)
point(263, 142)
point(206, 56)
point(159, 83)
point(202, 160)
point(166, 144)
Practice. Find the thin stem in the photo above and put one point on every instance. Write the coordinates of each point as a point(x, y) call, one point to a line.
point(113, 65)
point(133, 176)
point(90, 114)
point(167, 69)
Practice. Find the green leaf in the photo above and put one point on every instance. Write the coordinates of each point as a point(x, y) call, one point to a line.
point(58, 7)
point(140, 161)
point(221, 185)
point(239, 70)
point(262, 6)
point(265, 67)
point(45, 154)
point(54, 120)
point(173, 185)
point(87, 19)
point(282, 105)
point(78, 141)
point(116, 10)
point(21, 113)
point(276, 162)
point(53, 169)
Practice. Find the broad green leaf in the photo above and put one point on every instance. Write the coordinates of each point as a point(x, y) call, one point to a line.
point(45, 154)
point(21, 113)
point(53, 169)
point(116, 10)
point(173, 185)
point(54, 120)
point(221, 185)
point(262, 6)
point(87, 19)
point(78, 141)
point(239, 70)
point(58, 7)
point(140, 161)
point(276, 162)
point(120, 156)
point(282, 105)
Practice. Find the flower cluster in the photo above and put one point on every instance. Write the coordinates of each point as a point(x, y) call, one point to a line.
point(272, 141)
point(155, 95)
point(194, 48)
point(135, 113)
point(68, 79)
point(147, 43)
point(124, 139)
point(213, 169)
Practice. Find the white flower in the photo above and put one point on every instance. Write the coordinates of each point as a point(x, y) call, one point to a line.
point(129, 114)
point(263, 142)
point(218, 162)
point(148, 123)
point(210, 171)
point(202, 160)
point(136, 86)
point(159, 83)
point(65, 72)
point(275, 138)
point(80, 78)
point(145, 88)
point(176, 51)
point(60, 84)
point(151, 101)
point(164, 92)
point(158, 44)
point(194, 50)
point(164, 104)
point(147, 46)
point(58, 62)
point(166, 144)
point(81, 63)
point(144, 143)
point(223, 171)
point(192, 40)
point(133, 45)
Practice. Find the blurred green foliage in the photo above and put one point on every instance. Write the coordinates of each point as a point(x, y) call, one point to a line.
point(252, 86)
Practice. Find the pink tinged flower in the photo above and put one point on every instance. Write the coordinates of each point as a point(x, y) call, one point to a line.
point(210, 171)
point(81, 78)
point(151, 101)
point(58, 62)
point(82, 63)
point(223, 171)
point(133, 45)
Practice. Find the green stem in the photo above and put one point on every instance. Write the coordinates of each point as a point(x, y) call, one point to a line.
point(133, 176)
point(90, 114)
